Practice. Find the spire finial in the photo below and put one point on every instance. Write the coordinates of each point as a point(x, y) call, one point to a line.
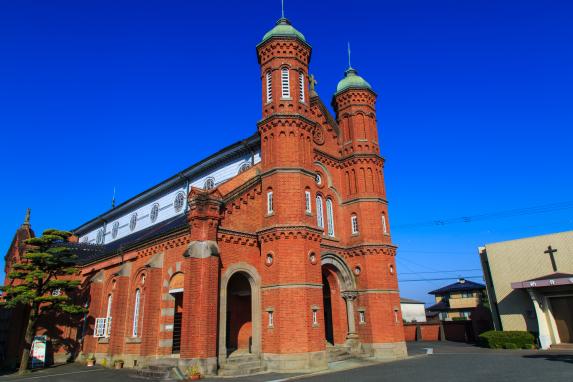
point(27, 218)
point(113, 199)
point(282, 9)
point(349, 64)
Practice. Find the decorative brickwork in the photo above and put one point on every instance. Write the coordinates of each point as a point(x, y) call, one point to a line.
point(291, 252)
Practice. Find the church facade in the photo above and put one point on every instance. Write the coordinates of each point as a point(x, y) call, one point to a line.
point(275, 251)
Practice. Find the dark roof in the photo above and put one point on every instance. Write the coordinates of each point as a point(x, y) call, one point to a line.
point(239, 148)
point(466, 285)
point(405, 300)
point(553, 276)
point(89, 253)
point(439, 307)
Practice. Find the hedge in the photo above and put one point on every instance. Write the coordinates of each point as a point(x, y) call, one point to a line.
point(507, 340)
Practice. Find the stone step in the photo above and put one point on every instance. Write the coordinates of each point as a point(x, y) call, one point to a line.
point(236, 360)
point(562, 346)
point(244, 365)
point(338, 353)
point(160, 373)
point(239, 371)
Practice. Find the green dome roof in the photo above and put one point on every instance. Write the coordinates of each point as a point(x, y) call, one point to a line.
point(283, 28)
point(352, 80)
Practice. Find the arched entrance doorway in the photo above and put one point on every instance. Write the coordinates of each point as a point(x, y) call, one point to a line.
point(176, 292)
point(239, 312)
point(338, 292)
point(239, 325)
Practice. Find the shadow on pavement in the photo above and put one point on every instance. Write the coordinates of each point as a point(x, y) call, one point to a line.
point(567, 358)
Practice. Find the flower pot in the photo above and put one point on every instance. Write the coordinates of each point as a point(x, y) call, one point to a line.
point(118, 365)
point(195, 377)
point(90, 362)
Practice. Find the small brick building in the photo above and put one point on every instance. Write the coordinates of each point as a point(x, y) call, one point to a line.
point(276, 249)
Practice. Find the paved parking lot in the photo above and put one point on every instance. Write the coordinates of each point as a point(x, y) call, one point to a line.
point(450, 362)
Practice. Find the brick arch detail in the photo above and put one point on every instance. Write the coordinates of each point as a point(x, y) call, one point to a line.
point(255, 282)
point(345, 276)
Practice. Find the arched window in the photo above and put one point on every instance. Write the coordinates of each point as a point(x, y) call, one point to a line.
point(269, 86)
point(285, 83)
point(319, 212)
point(270, 207)
point(136, 312)
point(384, 226)
point(354, 224)
point(330, 217)
point(108, 315)
point(301, 86)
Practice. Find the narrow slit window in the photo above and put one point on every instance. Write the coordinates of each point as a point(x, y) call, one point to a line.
point(269, 86)
point(319, 212)
point(136, 313)
point(285, 83)
point(314, 317)
point(330, 217)
point(384, 226)
point(301, 86)
point(271, 319)
point(354, 224)
point(307, 202)
point(270, 208)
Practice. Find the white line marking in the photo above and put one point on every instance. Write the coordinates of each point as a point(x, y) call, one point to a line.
point(57, 375)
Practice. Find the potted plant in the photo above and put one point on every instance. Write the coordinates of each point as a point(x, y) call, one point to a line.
point(193, 373)
point(118, 364)
point(90, 360)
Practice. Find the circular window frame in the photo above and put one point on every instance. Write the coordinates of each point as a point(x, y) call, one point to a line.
point(179, 201)
point(133, 222)
point(357, 270)
point(154, 213)
point(310, 258)
point(271, 257)
point(115, 230)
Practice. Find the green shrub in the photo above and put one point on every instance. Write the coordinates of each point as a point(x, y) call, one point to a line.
point(507, 340)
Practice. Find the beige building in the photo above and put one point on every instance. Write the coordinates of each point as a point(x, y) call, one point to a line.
point(530, 286)
point(458, 300)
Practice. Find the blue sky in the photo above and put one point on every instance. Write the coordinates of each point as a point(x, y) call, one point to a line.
point(475, 107)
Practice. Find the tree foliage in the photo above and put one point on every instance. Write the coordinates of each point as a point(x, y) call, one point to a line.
point(45, 269)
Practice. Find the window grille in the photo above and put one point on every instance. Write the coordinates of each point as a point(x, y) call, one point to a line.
point(269, 86)
point(285, 83)
point(301, 86)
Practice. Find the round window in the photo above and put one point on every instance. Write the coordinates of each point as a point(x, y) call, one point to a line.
point(318, 178)
point(114, 230)
point(99, 239)
point(269, 260)
point(154, 212)
point(357, 270)
point(179, 201)
point(133, 221)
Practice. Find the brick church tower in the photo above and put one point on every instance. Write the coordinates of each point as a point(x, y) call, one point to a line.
point(272, 254)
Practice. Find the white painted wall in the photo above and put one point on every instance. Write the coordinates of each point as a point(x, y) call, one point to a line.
point(220, 174)
point(413, 312)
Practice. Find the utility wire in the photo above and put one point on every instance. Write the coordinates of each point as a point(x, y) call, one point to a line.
point(493, 215)
point(452, 271)
point(441, 279)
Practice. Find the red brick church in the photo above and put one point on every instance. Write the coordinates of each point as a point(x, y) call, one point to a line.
point(274, 253)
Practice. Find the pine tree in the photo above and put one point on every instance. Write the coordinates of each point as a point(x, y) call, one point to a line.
point(47, 267)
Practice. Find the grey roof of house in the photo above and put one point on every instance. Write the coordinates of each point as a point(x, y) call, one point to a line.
point(404, 300)
point(459, 287)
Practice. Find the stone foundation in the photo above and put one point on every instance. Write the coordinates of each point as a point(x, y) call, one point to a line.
point(386, 351)
point(313, 361)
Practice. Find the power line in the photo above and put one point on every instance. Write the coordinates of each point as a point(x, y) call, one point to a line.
point(493, 215)
point(452, 271)
point(441, 279)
